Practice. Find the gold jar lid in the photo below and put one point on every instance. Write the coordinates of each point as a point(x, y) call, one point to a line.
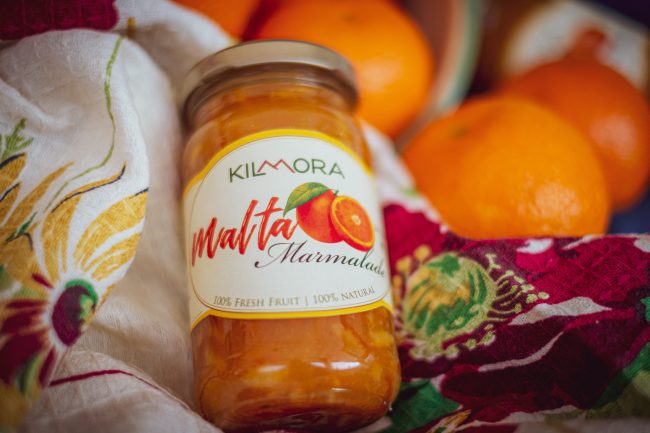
point(266, 52)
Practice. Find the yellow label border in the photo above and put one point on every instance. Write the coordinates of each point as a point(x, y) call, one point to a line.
point(272, 133)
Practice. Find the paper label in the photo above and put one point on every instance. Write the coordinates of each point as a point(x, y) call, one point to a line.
point(284, 223)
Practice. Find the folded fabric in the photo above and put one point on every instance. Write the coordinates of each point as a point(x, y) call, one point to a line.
point(510, 335)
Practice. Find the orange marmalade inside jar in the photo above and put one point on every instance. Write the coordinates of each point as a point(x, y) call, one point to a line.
point(289, 295)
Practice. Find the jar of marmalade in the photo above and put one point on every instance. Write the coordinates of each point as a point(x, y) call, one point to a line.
point(289, 297)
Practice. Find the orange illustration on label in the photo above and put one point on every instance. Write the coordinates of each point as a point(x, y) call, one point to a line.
point(328, 217)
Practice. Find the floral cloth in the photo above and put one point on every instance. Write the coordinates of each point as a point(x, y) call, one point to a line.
point(495, 336)
point(69, 223)
point(518, 331)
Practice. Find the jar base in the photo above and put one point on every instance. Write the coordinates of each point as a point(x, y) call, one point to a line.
point(341, 410)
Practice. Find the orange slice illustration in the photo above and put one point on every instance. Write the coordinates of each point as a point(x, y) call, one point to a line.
point(352, 223)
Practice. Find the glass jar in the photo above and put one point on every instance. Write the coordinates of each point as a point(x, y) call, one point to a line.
point(289, 296)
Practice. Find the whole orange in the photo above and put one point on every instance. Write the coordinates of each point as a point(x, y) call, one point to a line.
point(232, 16)
point(314, 218)
point(505, 167)
point(602, 104)
point(388, 51)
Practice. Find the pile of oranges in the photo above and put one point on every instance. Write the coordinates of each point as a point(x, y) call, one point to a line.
point(551, 152)
point(392, 60)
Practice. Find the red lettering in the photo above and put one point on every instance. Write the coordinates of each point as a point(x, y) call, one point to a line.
point(200, 239)
point(243, 238)
point(283, 227)
point(228, 239)
point(238, 239)
point(263, 237)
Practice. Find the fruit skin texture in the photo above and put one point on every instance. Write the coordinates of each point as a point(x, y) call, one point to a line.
point(231, 16)
point(604, 106)
point(389, 53)
point(505, 167)
point(352, 223)
point(314, 218)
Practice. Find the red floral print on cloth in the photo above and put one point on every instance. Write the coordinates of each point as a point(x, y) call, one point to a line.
point(511, 330)
point(21, 18)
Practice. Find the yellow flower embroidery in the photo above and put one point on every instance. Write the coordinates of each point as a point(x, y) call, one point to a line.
point(54, 291)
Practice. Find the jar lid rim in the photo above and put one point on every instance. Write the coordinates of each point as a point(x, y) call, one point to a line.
point(262, 52)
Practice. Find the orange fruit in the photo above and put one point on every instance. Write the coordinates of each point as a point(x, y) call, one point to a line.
point(278, 3)
point(314, 218)
point(352, 223)
point(602, 104)
point(505, 167)
point(268, 7)
point(231, 16)
point(389, 53)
